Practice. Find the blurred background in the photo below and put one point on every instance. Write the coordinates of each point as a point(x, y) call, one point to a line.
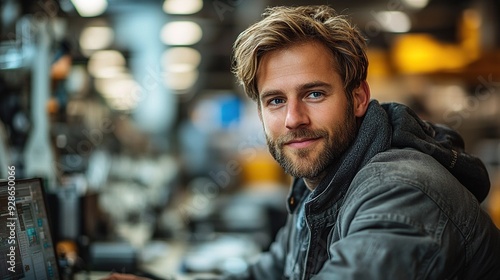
point(129, 112)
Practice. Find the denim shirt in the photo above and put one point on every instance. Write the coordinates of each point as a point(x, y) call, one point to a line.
point(403, 202)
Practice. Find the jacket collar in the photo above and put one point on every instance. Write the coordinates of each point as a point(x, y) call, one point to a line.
point(393, 125)
point(374, 136)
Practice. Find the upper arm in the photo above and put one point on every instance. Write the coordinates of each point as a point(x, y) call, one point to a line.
point(390, 229)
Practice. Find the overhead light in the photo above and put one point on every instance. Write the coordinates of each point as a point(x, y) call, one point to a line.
point(416, 4)
point(90, 8)
point(180, 80)
point(115, 87)
point(106, 64)
point(181, 33)
point(422, 53)
point(394, 21)
point(96, 38)
point(121, 93)
point(121, 104)
point(180, 67)
point(178, 59)
point(182, 7)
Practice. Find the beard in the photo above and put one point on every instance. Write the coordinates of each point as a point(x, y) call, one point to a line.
point(311, 162)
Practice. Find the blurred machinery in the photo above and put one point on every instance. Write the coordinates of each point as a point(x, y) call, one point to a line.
point(140, 141)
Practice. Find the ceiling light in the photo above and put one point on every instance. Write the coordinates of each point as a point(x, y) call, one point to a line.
point(121, 93)
point(115, 87)
point(180, 59)
point(180, 80)
point(182, 7)
point(96, 38)
point(394, 21)
point(181, 33)
point(416, 4)
point(106, 64)
point(90, 8)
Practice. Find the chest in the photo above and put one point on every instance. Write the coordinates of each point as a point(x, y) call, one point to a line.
point(308, 242)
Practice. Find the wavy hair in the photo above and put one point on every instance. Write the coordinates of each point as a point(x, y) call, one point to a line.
point(282, 26)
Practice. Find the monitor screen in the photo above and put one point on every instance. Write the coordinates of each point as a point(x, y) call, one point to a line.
point(26, 246)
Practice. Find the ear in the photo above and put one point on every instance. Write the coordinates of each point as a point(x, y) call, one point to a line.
point(361, 99)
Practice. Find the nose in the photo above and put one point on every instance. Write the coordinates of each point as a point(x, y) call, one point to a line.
point(296, 115)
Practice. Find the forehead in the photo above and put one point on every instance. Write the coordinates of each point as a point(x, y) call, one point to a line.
point(295, 63)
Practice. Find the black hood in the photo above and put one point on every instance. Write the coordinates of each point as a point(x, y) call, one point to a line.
point(442, 143)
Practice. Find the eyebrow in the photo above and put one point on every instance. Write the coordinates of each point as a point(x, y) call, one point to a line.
point(299, 88)
point(313, 84)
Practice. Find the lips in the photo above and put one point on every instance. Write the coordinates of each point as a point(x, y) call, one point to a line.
point(301, 142)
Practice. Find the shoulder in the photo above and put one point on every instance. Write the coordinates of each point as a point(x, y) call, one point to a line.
point(407, 167)
point(411, 186)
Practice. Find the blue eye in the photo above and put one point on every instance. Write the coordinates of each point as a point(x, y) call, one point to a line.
point(276, 101)
point(316, 94)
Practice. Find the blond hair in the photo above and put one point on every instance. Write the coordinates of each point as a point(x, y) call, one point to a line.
point(282, 26)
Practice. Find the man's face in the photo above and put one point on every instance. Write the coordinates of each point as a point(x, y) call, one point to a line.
point(307, 118)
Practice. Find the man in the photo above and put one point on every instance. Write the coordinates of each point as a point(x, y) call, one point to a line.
point(378, 193)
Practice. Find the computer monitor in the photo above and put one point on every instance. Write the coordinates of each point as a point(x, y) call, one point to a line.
point(27, 250)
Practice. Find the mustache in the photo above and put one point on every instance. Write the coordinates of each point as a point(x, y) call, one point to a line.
point(300, 133)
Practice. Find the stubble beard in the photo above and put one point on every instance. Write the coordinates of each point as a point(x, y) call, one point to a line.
point(311, 162)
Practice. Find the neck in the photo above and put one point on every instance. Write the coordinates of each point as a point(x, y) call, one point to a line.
point(312, 183)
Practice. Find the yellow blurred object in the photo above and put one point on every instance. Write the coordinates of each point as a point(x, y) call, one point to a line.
point(61, 68)
point(422, 53)
point(494, 203)
point(52, 105)
point(262, 170)
point(68, 250)
point(378, 66)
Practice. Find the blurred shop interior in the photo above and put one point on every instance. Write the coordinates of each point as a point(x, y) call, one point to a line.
point(129, 112)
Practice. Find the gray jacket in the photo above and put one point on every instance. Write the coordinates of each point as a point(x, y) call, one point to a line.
point(403, 203)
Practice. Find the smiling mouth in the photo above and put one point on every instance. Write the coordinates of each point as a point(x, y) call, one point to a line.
point(301, 142)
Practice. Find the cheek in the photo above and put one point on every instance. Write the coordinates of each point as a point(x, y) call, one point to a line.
point(330, 122)
point(271, 124)
point(325, 116)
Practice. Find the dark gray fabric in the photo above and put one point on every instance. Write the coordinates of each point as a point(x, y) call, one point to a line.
point(394, 207)
point(373, 138)
point(440, 142)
